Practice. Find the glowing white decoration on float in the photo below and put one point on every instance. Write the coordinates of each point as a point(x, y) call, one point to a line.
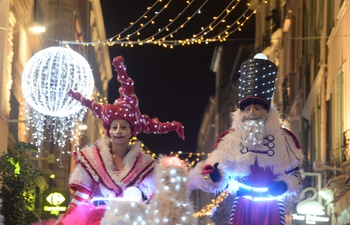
point(46, 79)
point(170, 204)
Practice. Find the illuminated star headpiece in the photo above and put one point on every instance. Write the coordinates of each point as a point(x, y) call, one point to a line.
point(257, 82)
point(126, 107)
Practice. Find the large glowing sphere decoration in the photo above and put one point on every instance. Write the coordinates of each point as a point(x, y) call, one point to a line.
point(47, 77)
point(50, 74)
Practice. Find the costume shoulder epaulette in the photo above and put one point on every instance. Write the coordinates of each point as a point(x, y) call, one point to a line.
point(295, 139)
point(223, 134)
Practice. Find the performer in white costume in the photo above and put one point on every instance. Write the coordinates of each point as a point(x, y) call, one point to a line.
point(111, 167)
point(257, 157)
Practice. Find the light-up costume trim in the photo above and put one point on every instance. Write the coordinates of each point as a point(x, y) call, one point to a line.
point(255, 193)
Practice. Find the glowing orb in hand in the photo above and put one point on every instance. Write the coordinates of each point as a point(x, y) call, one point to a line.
point(132, 194)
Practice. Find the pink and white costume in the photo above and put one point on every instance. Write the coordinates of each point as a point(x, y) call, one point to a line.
point(95, 173)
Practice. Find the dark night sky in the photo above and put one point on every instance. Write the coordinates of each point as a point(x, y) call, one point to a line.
point(171, 84)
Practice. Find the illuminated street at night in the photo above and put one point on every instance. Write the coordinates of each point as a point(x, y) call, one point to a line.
point(197, 112)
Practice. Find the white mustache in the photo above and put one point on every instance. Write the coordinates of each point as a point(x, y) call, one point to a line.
point(252, 132)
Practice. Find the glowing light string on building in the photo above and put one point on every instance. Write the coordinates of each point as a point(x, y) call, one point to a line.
point(165, 35)
point(51, 114)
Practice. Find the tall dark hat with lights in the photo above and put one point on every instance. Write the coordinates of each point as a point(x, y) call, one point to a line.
point(126, 107)
point(257, 81)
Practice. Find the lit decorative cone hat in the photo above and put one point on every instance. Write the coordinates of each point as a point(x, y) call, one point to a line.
point(257, 81)
point(126, 107)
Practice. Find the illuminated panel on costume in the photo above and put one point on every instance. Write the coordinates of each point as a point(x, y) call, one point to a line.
point(234, 185)
point(263, 199)
point(250, 188)
point(132, 194)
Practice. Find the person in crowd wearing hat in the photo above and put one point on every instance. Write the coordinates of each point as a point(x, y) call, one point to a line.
point(114, 165)
point(257, 158)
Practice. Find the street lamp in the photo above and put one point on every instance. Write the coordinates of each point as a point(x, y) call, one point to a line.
point(36, 28)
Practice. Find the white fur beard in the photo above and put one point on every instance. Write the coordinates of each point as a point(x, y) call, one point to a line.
point(252, 132)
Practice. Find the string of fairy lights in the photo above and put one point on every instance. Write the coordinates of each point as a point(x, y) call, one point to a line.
point(144, 30)
point(35, 123)
point(208, 209)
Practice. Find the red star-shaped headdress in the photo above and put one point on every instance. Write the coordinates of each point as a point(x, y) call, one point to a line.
point(126, 107)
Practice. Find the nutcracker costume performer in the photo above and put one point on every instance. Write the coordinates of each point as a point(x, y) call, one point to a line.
point(257, 158)
point(112, 167)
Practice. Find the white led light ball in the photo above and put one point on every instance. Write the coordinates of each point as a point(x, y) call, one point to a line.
point(50, 74)
point(132, 194)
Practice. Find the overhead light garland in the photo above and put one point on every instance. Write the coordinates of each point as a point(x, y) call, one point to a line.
point(135, 33)
point(50, 112)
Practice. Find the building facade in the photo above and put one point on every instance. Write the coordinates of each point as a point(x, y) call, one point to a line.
point(309, 42)
point(64, 20)
point(312, 54)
